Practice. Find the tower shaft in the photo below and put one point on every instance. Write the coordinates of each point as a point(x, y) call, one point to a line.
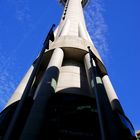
point(71, 94)
point(72, 22)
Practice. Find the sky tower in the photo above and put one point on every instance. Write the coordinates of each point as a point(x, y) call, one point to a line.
point(66, 94)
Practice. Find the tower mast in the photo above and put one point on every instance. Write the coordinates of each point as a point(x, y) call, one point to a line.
point(67, 93)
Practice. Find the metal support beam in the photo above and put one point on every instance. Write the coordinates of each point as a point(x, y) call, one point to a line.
point(94, 74)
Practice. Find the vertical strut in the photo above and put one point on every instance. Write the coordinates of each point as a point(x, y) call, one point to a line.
point(14, 122)
point(94, 74)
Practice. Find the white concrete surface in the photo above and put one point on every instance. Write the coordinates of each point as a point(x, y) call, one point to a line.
point(49, 77)
point(20, 89)
point(109, 88)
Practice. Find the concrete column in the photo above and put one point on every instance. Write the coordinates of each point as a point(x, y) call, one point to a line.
point(20, 89)
point(52, 72)
point(44, 91)
point(89, 73)
point(112, 96)
point(109, 88)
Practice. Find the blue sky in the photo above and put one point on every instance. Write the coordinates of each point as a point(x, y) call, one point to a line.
point(113, 25)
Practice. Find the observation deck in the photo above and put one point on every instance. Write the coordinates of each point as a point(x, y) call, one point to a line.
point(84, 2)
